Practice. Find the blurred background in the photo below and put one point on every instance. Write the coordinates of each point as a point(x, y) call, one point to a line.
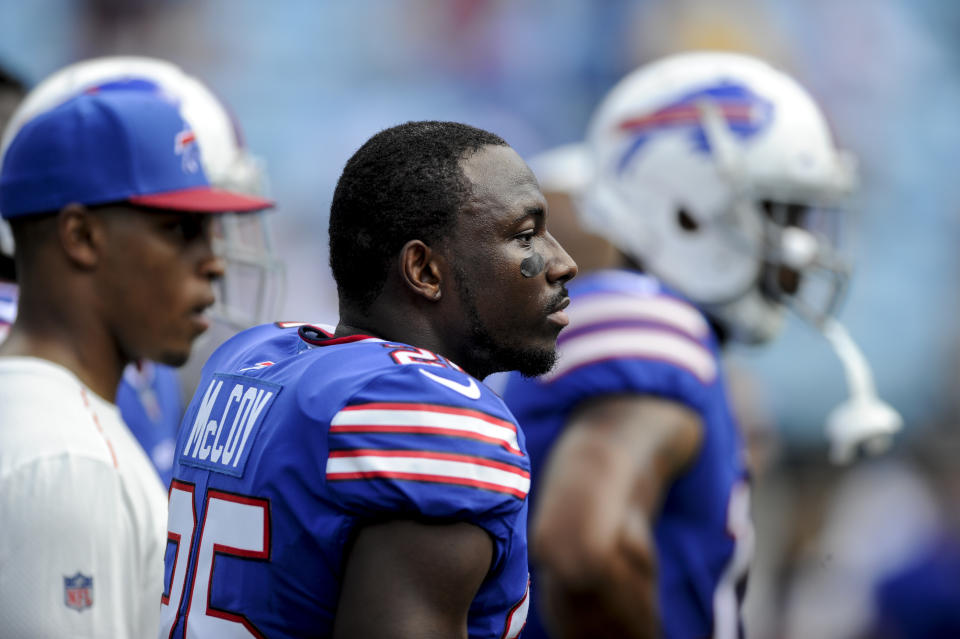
point(311, 80)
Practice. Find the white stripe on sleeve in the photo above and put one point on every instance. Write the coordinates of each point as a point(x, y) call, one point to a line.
point(640, 343)
point(591, 309)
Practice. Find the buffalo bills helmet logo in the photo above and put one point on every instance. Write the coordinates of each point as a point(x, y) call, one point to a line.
point(126, 84)
point(78, 592)
point(745, 112)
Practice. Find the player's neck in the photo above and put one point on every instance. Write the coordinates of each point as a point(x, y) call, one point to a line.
point(46, 335)
point(345, 329)
point(406, 332)
point(407, 327)
point(386, 320)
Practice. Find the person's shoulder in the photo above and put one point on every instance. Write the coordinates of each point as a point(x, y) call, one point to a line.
point(275, 343)
point(419, 379)
point(43, 390)
point(624, 315)
point(340, 371)
point(274, 339)
point(621, 295)
point(47, 415)
point(422, 434)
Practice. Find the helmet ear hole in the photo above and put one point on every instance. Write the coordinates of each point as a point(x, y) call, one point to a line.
point(686, 221)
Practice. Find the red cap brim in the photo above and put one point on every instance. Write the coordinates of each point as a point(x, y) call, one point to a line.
point(203, 200)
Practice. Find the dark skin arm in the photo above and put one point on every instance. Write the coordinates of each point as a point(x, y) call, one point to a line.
point(591, 535)
point(407, 579)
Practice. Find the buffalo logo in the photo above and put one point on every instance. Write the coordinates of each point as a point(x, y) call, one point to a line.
point(125, 84)
point(256, 366)
point(78, 592)
point(185, 145)
point(745, 112)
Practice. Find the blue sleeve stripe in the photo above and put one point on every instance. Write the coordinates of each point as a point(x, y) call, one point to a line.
point(426, 419)
point(428, 466)
point(635, 343)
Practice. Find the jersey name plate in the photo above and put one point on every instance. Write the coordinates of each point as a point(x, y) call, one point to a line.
point(227, 422)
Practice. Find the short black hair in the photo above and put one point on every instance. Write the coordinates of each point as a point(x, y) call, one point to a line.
point(404, 183)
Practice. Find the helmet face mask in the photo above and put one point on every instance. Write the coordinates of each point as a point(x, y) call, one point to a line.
point(806, 264)
point(252, 289)
point(718, 174)
point(253, 284)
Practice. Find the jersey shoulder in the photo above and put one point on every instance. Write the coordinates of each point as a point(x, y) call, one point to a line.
point(628, 333)
point(257, 348)
point(422, 435)
point(406, 430)
point(623, 316)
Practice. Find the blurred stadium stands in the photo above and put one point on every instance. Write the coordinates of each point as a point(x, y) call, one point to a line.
point(311, 80)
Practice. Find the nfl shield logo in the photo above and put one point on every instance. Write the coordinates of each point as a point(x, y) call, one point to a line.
point(78, 592)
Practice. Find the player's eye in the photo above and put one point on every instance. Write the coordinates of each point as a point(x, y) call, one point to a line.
point(187, 227)
point(526, 237)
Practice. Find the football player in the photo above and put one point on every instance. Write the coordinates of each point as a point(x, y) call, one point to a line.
point(709, 188)
point(360, 481)
point(149, 393)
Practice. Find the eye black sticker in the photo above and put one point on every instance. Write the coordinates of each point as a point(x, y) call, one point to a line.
point(532, 266)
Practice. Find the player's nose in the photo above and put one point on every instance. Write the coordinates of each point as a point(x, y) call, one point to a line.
point(213, 267)
point(211, 264)
point(560, 268)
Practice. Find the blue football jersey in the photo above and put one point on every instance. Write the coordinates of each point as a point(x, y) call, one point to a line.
point(148, 397)
point(921, 599)
point(293, 441)
point(8, 307)
point(629, 334)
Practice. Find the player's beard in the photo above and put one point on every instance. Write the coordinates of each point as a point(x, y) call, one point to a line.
point(493, 352)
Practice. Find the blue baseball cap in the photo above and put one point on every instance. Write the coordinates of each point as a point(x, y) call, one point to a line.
point(111, 146)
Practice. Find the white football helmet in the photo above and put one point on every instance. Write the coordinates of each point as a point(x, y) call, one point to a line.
point(718, 174)
point(253, 287)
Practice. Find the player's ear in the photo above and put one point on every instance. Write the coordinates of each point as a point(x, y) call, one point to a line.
point(81, 235)
point(420, 269)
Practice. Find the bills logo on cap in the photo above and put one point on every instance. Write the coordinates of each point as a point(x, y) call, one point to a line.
point(78, 592)
point(185, 145)
point(745, 112)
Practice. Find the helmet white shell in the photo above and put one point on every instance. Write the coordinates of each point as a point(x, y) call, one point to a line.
point(683, 150)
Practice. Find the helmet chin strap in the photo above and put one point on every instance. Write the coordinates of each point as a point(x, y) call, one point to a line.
point(863, 422)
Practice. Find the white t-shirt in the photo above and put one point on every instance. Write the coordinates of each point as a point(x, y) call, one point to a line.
point(82, 512)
